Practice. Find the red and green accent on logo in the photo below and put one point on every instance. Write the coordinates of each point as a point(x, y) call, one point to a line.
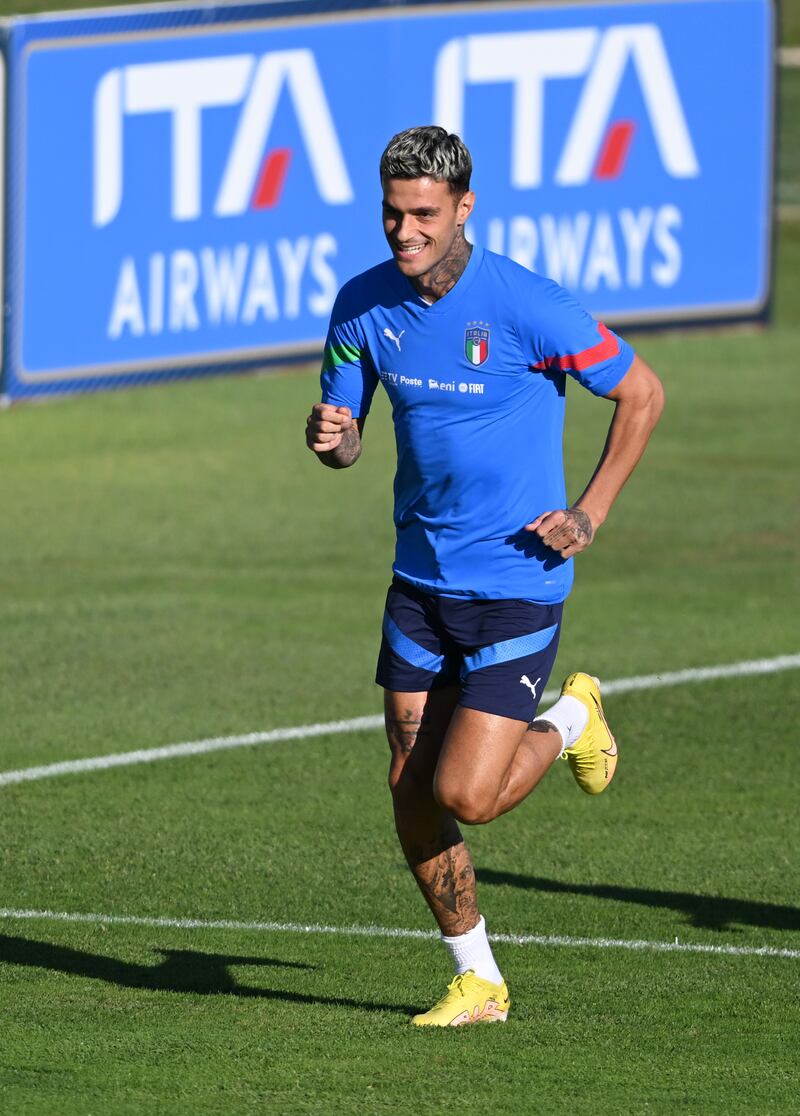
point(476, 345)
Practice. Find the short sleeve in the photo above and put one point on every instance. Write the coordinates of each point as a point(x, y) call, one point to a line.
point(566, 338)
point(348, 377)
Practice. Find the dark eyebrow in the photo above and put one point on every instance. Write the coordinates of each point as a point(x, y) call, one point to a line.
point(422, 211)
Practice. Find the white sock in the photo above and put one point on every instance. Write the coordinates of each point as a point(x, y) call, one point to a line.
point(472, 951)
point(570, 716)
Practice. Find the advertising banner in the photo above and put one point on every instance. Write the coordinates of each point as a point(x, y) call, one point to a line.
point(188, 188)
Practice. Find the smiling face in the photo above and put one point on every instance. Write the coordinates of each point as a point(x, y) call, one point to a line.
point(423, 223)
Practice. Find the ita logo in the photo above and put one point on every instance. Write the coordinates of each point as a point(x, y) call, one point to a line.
point(476, 343)
point(185, 90)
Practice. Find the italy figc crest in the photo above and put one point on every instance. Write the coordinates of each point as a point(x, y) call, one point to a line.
point(476, 344)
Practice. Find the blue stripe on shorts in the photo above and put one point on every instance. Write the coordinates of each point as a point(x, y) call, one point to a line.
point(409, 650)
point(507, 650)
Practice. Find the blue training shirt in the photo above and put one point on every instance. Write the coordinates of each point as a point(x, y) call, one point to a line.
point(476, 382)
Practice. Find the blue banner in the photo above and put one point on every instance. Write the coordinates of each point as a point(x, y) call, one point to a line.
point(187, 192)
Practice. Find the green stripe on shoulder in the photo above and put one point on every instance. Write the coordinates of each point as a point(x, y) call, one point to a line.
point(337, 355)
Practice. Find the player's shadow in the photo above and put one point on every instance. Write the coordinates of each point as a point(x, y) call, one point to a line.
point(181, 970)
point(529, 544)
point(706, 912)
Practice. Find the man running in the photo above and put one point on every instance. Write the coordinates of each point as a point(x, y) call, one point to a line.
point(473, 351)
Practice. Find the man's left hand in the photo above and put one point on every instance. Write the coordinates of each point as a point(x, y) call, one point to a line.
point(567, 531)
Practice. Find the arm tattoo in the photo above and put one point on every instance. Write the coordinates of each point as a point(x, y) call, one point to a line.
point(582, 525)
point(346, 453)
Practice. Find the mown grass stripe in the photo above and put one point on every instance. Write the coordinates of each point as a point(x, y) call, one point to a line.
point(563, 940)
point(368, 723)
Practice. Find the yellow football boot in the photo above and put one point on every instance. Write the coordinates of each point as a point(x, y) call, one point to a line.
point(468, 999)
point(593, 756)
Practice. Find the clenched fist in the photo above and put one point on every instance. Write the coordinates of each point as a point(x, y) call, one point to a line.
point(567, 531)
point(326, 426)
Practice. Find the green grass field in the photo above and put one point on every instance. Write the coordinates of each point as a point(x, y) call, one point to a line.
point(175, 566)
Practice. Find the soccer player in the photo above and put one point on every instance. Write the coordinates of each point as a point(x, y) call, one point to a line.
point(474, 351)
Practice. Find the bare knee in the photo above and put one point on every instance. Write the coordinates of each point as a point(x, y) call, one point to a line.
point(472, 805)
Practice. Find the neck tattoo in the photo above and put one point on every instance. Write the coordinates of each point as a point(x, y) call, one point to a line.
point(446, 273)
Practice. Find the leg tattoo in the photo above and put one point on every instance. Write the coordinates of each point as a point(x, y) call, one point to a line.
point(404, 730)
point(447, 880)
point(540, 725)
point(429, 836)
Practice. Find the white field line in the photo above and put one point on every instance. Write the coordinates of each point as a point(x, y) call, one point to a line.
point(363, 724)
point(637, 944)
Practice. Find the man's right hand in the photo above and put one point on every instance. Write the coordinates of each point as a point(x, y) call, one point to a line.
point(326, 426)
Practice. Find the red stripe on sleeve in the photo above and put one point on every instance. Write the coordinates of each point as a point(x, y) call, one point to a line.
point(578, 362)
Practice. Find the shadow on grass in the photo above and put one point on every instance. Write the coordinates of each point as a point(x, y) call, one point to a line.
point(181, 970)
point(706, 912)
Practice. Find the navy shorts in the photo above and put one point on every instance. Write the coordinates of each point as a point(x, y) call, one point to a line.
point(499, 652)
